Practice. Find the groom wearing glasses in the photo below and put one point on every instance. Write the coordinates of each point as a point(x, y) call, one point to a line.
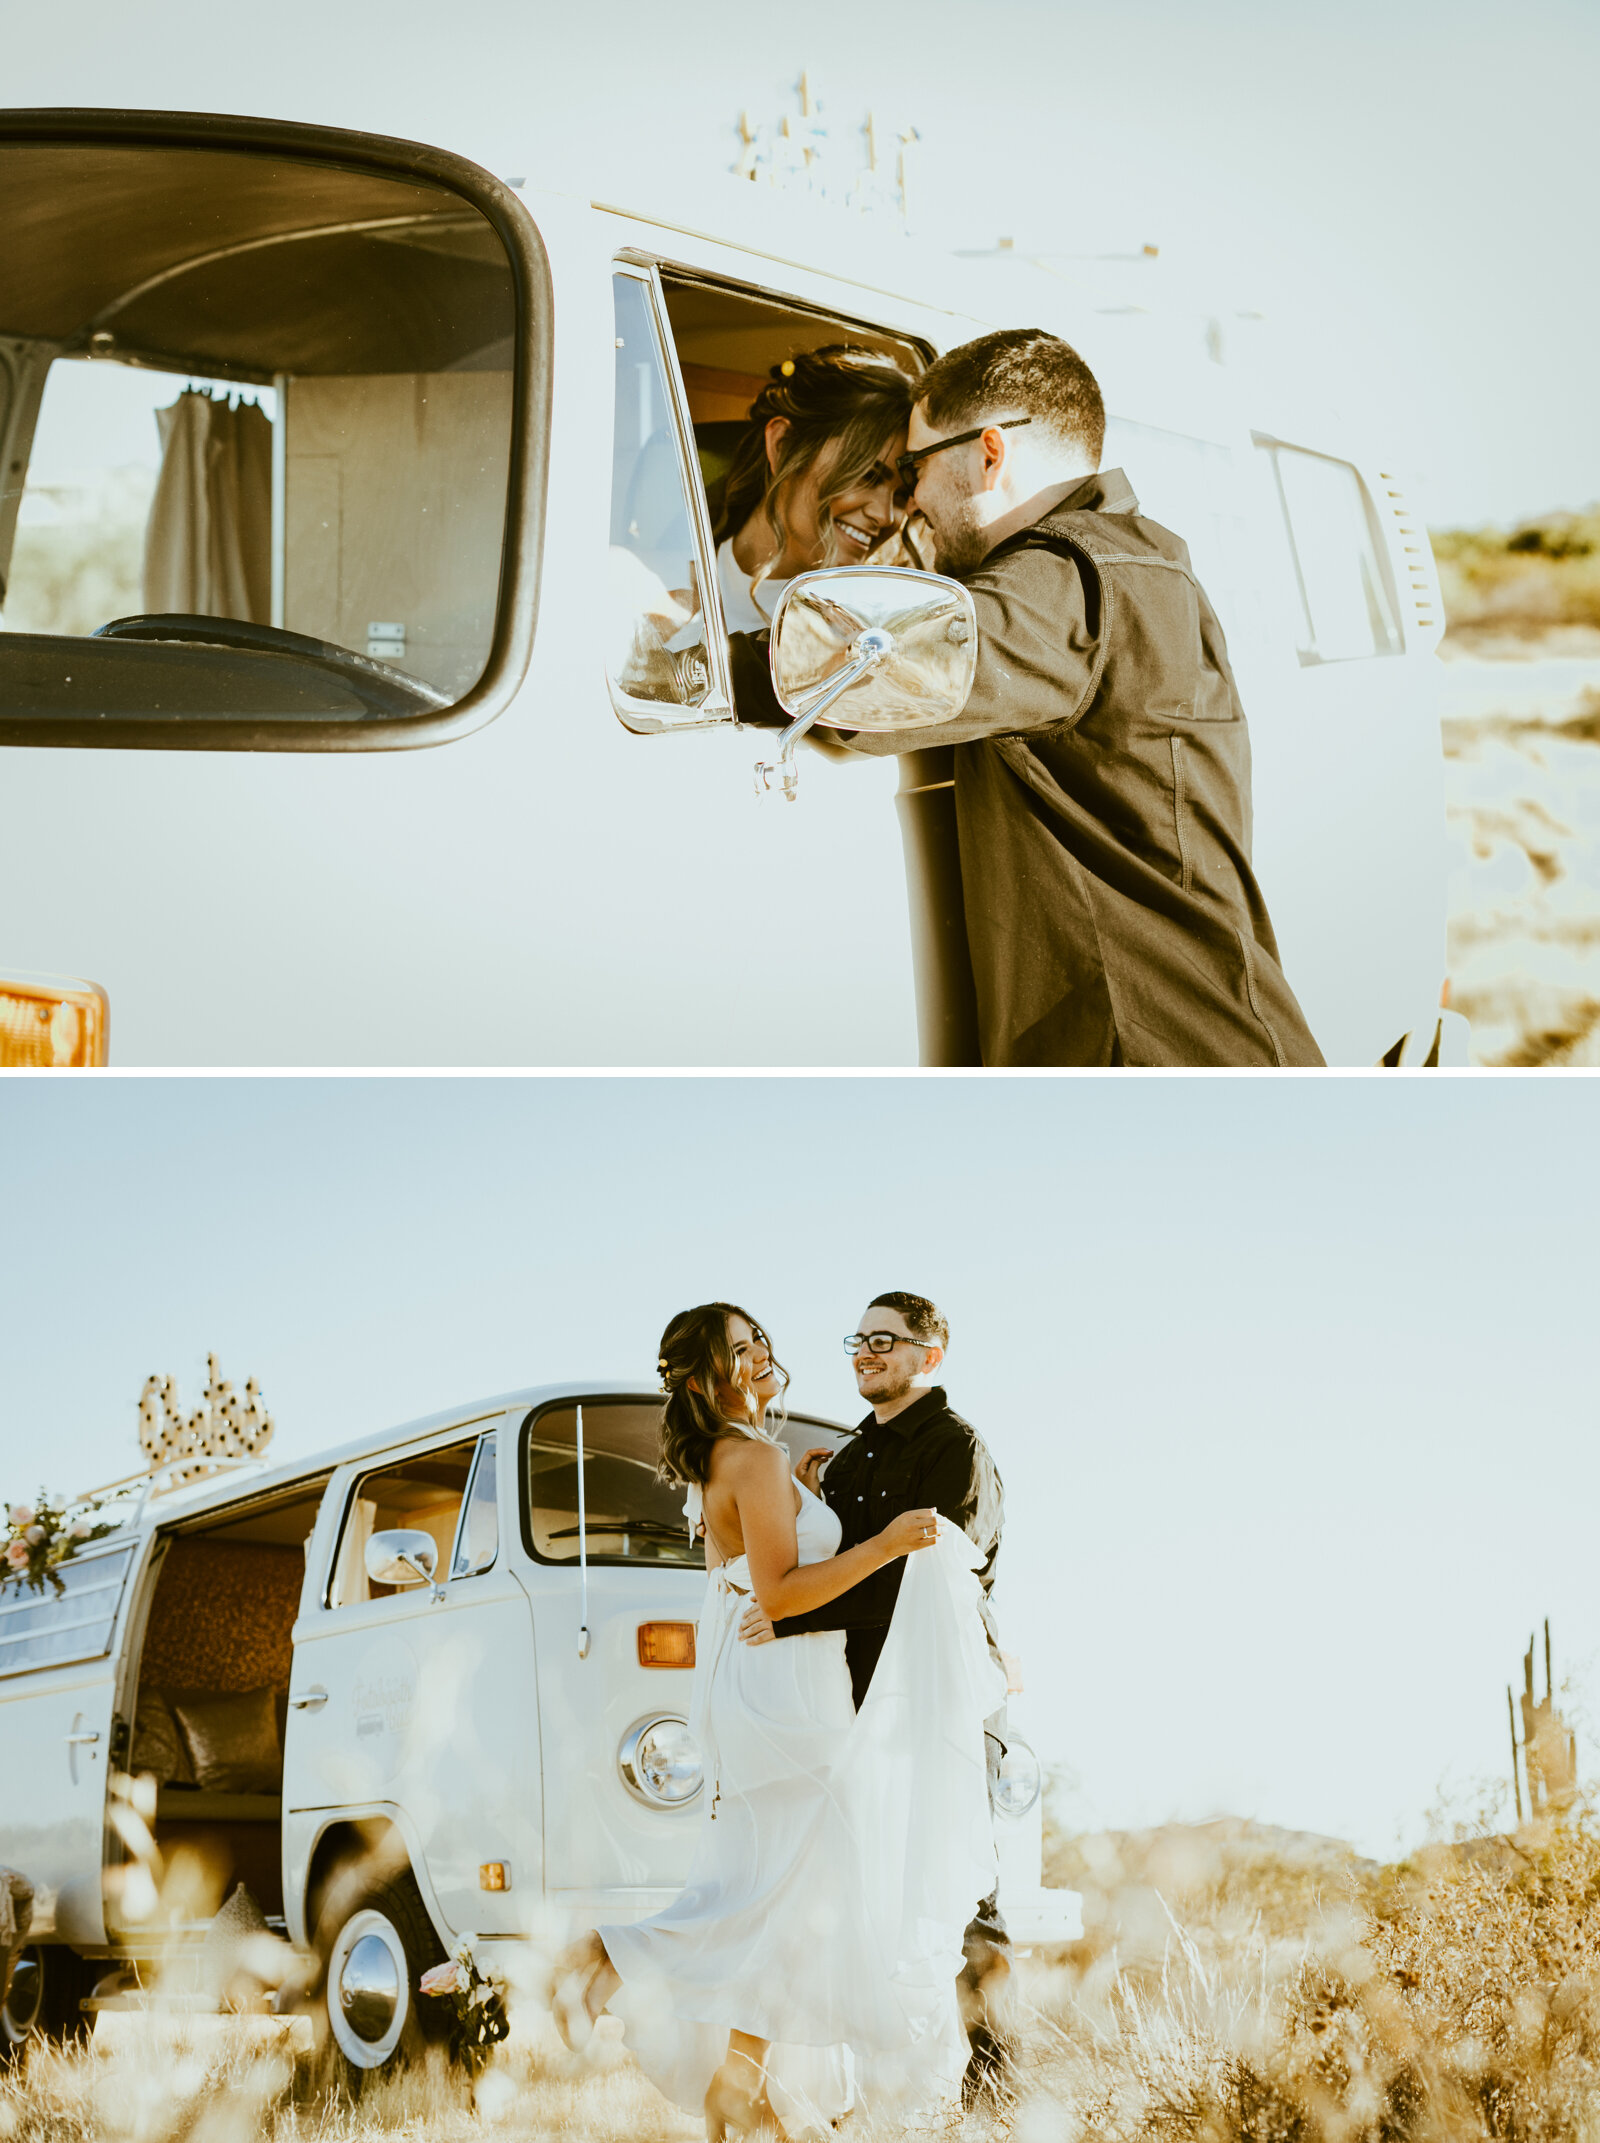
point(912, 1452)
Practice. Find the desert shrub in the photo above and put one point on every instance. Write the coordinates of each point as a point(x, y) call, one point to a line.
point(76, 572)
point(1456, 1996)
point(1544, 572)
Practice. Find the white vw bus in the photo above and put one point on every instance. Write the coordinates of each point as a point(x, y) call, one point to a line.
point(439, 457)
point(432, 1686)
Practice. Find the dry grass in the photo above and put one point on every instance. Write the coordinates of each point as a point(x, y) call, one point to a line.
point(1299, 1995)
point(1234, 1985)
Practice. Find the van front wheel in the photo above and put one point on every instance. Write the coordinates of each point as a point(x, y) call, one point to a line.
point(381, 1947)
point(45, 1997)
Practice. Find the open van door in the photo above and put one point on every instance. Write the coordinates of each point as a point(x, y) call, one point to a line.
point(416, 1699)
point(60, 1657)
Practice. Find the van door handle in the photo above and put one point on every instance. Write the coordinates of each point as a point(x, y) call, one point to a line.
point(78, 1740)
point(313, 1700)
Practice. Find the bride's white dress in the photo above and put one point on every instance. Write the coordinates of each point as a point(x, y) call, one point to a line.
point(840, 1855)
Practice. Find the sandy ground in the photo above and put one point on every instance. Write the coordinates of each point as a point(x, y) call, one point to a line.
point(1522, 773)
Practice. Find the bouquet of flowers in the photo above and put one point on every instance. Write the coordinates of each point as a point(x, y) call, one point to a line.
point(478, 2004)
point(41, 1536)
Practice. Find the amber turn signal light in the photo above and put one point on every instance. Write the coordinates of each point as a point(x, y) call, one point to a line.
point(666, 1644)
point(49, 1023)
point(494, 1875)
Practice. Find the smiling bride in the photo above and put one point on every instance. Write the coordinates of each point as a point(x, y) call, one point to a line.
point(812, 482)
point(809, 1964)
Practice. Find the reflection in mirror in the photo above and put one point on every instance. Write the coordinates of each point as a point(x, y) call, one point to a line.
point(924, 674)
point(255, 416)
point(401, 1558)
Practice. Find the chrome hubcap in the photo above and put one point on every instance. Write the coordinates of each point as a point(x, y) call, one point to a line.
point(24, 1995)
point(369, 1989)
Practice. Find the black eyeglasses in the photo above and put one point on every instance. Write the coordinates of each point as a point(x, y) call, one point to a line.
point(879, 1342)
point(906, 464)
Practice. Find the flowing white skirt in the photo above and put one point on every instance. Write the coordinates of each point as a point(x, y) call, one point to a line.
point(838, 1863)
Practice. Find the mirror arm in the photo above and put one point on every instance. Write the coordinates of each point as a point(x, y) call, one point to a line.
point(866, 653)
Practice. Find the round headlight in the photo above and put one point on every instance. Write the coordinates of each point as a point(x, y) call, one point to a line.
point(660, 1762)
point(1017, 1787)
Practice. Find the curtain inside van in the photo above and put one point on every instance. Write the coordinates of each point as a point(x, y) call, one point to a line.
point(208, 541)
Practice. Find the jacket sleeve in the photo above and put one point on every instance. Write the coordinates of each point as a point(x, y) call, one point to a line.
point(1038, 654)
point(754, 700)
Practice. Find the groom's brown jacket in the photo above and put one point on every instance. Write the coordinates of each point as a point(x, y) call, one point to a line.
point(1102, 797)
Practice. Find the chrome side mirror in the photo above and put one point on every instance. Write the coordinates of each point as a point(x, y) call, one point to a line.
point(868, 647)
point(402, 1558)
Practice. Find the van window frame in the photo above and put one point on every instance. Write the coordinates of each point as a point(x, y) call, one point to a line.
point(645, 717)
point(526, 1421)
point(517, 599)
point(125, 1543)
point(1312, 657)
point(452, 1575)
point(525, 1428)
point(648, 717)
point(378, 1461)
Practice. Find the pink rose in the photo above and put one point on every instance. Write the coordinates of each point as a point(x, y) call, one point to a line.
point(20, 1514)
point(443, 1979)
point(16, 1554)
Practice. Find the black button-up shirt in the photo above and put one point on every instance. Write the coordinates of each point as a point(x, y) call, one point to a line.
point(926, 1457)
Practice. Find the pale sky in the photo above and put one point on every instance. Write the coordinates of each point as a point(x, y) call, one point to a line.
point(1403, 187)
point(1291, 1383)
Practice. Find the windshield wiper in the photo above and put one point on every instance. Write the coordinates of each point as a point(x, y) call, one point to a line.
point(624, 1525)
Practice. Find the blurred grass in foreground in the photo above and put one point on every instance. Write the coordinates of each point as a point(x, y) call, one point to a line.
point(1234, 1985)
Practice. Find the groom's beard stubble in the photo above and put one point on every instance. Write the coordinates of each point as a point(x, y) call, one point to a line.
point(959, 541)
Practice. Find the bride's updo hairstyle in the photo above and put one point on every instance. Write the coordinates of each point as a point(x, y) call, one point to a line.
point(844, 402)
point(707, 1397)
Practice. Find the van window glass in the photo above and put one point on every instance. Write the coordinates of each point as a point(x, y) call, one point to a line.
point(655, 641)
point(630, 1514)
point(54, 1629)
point(419, 1495)
point(259, 457)
point(1346, 609)
point(478, 1542)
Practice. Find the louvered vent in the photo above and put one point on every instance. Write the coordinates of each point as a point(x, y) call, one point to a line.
point(1416, 555)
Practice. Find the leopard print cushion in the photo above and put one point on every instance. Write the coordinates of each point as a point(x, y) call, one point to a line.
point(222, 1616)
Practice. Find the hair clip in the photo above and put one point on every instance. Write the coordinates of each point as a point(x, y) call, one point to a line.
point(787, 368)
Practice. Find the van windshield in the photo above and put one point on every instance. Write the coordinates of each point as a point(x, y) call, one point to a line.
point(629, 1515)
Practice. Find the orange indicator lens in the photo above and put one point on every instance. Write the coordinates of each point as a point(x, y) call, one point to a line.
point(666, 1644)
point(494, 1875)
point(51, 1024)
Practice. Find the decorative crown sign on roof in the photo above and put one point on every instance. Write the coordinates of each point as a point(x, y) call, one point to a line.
point(227, 1425)
point(803, 152)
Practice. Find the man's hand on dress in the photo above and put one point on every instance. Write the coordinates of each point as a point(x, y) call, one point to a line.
point(755, 1627)
point(809, 1471)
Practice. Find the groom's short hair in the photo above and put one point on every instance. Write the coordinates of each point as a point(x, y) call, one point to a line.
point(924, 1319)
point(1022, 369)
